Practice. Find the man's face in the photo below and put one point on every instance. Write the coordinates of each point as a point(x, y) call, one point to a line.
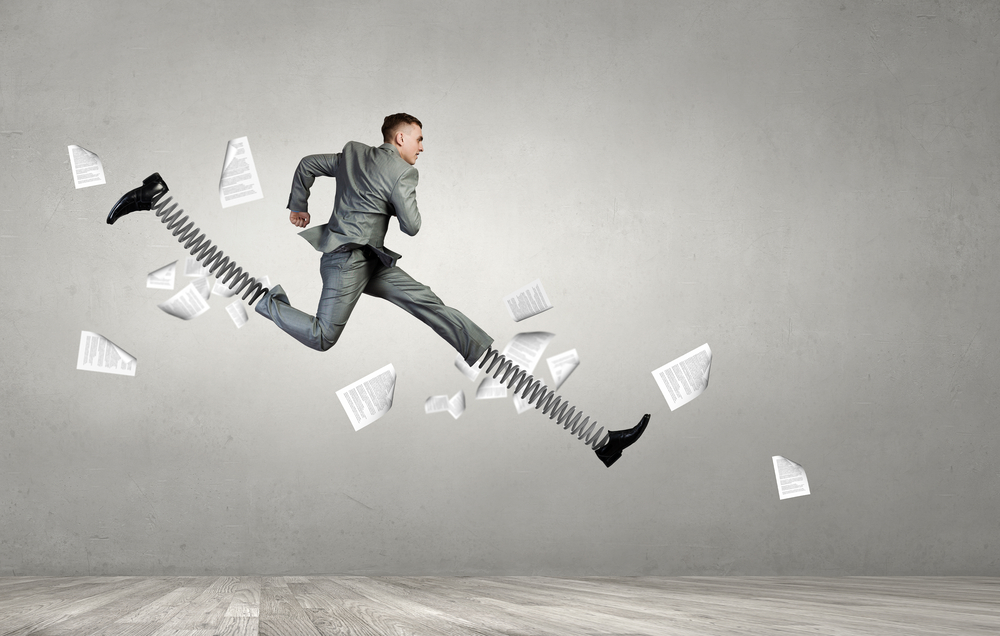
point(411, 144)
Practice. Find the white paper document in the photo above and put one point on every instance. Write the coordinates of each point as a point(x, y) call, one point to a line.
point(528, 301)
point(162, 278)
point(489, 389)
point(791, 478)
point(455, 405)
point(369, 398)
point(436, 404)
point(87, 167)
point(521, 404)
point(203, 287)
point(186, 304)
point(560, 366)
point(239, 182)
point(238, 313)
point(470, 372)
point(685, 378)
point(524, 350)
point(97, 353)
point(193, 268)
point(221, 289)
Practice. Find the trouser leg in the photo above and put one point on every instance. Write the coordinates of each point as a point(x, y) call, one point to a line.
point(345, 275)
point(398, 287)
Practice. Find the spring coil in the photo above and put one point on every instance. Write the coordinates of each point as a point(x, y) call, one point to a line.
point(540, 396)
point(206, 253)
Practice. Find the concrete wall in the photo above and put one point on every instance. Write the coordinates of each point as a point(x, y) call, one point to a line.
point(811, 188)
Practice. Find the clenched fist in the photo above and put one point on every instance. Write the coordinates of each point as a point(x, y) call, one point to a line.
point(299, 219)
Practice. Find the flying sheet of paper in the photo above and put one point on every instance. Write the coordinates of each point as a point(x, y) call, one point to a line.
point(238, 313)
point(239, 182)
point(220, 289)
point(97, 353)
point(561, 365)
point(201, 284)
point(528, 301)
point(162, 278)
point(685, 378)
point(469, 372)
point(490, 390)
point(525, 350)
point(436, 404)
point(186, 304)
point(193, 268)
point(791, 478)
point(369, 398)
point(455, 405)
point(87, 167)
point(521, 404)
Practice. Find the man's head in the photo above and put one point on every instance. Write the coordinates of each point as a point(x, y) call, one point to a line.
point(405, 133)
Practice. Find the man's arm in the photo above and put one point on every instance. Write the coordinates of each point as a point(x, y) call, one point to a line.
point(404, 201)
point(305, 174)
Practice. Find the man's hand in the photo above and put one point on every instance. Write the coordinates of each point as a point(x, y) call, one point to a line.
point(299, 219)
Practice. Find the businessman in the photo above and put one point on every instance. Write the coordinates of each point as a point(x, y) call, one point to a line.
point(373, 185)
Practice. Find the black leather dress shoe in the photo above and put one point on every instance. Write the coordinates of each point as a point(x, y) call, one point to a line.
point(620, 440)
point(152, 188)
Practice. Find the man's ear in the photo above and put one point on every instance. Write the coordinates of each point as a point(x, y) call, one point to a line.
point(398, 138)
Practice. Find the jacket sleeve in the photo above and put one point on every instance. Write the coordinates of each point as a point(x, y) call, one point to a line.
point(404, 201)
point(305, 174)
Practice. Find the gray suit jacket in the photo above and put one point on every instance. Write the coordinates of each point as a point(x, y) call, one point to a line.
point(373, 184)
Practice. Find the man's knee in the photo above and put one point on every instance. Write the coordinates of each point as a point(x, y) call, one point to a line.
point(328, 336)
point(422, 295)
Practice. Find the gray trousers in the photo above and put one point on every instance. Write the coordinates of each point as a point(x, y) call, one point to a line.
point(347, 275)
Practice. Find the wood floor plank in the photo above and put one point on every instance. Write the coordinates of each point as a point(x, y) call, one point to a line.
point(398, 603)
point(83, 606)
point(324, 605)
point(42, 594)
point(449, 615)
point(357, 613)
point(280, 613)
point(238, 626)
point(457, 605)
point(245, 598)
point(208, 609)
point(87, 618)
point(277, 600)
point(502, 602)
point(498, 606)
point(162, 609)
point(204, 614)
point(126, 629)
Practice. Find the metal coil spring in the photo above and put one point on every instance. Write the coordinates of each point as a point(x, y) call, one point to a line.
point(543, 399)
point(206, 253)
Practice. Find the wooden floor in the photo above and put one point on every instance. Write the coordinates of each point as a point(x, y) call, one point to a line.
point(512, 606)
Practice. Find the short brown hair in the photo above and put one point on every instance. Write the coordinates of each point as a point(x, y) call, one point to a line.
point(392, 122)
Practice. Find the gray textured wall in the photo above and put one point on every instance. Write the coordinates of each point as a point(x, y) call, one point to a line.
point(811, 188)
